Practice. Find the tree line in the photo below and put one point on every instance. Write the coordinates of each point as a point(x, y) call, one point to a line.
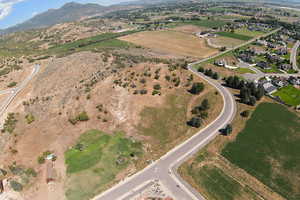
point(249, 91)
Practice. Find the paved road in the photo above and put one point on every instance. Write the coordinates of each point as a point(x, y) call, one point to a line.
point(14, 91)
point(293, 58)
point(165, 169)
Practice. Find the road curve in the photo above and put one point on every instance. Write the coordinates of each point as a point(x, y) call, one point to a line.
point(14, 91)
point(293, 58)
point(165, 168)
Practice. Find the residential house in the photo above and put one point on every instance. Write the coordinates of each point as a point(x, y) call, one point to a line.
point(285, 67)
point(220, 63)
point(280, 82)
point(259, 52)
point(274, 58)
point(246, 57)
point(269, 88)
point(263, 65)
point(294, 80)
point(282, 51)
point(271, 45)
point(262, 42)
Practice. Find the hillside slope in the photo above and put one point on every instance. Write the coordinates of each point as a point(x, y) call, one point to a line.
point(67, 13)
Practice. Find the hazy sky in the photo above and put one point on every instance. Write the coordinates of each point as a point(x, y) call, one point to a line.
point(16, 11)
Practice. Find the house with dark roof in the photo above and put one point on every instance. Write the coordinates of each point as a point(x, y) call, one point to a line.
point(282, 51)
point(263, 65)
point(285, 67)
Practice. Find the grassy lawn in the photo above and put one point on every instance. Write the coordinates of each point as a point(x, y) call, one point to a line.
point(226, 41)
point(268, 149)
point(244, 71)
point(235, 36)
point(289, 94)
point(95, 161)
point(247, 32)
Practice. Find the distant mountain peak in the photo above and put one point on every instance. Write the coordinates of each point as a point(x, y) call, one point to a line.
point(69, 12)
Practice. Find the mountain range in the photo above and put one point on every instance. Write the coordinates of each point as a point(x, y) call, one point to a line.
point(69, 12)
point(75, 11)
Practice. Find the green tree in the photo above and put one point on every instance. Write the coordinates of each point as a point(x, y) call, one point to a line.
point(215, 76)
point(245, 113)
point(156, 87)
point(197, 88)
point(252, 101)
point(227, 130)
point(195, 122)
point(201, 69)
point(260, 92)
point(205, 105)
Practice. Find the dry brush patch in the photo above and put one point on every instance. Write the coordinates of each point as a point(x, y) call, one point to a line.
point(66, 87)
point(172, 42)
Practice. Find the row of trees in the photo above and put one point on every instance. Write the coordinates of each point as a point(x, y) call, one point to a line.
point(209, 72)
point(249, 91)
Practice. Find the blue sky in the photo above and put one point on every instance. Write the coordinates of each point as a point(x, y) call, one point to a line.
point(16, 11)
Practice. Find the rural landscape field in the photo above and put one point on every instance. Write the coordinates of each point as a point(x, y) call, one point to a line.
point(149, 100)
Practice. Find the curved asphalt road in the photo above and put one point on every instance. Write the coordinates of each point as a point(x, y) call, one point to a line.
point(165, 169)
point(14, 91)
point(294, 52)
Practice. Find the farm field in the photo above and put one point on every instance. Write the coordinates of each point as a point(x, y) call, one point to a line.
point(172, 42)
point(289, 94)
point(267, 149)
point(192, 29)
point(100, 41)
point(235, 36)
point(218, 185)
point(95, 161)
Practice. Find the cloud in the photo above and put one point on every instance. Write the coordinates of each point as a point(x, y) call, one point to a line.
point(6, 7)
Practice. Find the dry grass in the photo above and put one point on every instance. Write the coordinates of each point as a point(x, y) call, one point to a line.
point(172, 42)
point(226, 41)
point(192, 29)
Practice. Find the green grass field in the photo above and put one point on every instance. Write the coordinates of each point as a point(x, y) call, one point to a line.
point(215, 183)
point(105, 40)
point(235, 36)
point(94, 162)
point(289, 95)
point(207, 23)
point(244, 71)
point(245, 31)
point(268, 149)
